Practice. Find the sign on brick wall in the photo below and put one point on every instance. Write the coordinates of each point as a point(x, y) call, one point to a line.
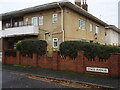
point(95, 69)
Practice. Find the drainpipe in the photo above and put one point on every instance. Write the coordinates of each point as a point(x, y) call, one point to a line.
point(62, 22)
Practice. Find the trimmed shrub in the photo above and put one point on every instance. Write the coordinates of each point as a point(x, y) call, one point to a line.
point(91, 50)
point(70, 48)
point(105, 51)
point(28, 47)
point(10, 53)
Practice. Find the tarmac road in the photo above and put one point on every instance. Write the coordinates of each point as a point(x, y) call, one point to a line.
point(13, 79)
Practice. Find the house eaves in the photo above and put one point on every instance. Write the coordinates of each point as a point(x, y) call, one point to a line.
point(113, 28)
point(51, 6)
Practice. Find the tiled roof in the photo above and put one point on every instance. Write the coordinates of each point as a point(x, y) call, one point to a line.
point(51, 6)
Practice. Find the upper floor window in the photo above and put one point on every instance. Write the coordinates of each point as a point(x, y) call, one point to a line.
point(91, 27)
point(15, 24)
point(21, 23)
point(55, 42)
point(82, 24)
point(55, 18)
point(26, 21)
point(35, 21)
point(41, 20)
point(7, 25)
point(97, 30)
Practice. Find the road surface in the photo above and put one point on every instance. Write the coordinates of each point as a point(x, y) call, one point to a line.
point(13, 79)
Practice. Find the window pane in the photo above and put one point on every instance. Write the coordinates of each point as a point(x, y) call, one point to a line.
point(91, 27)
point(55, 42)
point(82, 24)
point(35, 21)
point(26, 21)
point(21, 23)
point(97, 30)
point(7, 25)
point(54, 18)
point(15, 24)
point(41, 20)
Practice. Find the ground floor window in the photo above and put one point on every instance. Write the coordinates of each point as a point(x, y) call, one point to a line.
point(55, 42)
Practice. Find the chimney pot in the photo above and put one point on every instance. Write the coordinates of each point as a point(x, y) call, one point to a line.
point(78, 2)
point(84, 5)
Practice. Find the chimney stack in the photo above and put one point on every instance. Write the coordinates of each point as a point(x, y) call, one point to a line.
point(78, 2)
point(85, 5)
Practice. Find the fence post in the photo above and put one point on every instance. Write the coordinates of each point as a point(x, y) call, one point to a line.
point(55, 61)
point(18, 57)
point(34, 60)
point(80, 62)
point(114, 65)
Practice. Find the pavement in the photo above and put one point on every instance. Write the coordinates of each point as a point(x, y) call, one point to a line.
point(107, 82)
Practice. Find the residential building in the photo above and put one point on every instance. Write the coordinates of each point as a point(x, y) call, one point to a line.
point(112, 35)
point(54, 22)
point(119, 14)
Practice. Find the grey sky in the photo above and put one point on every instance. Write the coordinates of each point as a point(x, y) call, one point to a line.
point(106, 10)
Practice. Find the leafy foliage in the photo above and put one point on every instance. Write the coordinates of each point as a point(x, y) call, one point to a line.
point(10, 53)
point(32, 46)
point(91, 50)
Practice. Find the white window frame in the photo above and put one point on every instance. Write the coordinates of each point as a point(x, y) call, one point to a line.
point(55, 40)
point(91, 27)
point(20, 23)
point(26, 21)
point(82, 24)
point(97, 30)
point(41, 20)
point(15, 24)
point(55, 18)
point(7, 25)
point(35, 23)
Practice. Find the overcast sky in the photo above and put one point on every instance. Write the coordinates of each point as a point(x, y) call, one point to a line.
point(106, 10)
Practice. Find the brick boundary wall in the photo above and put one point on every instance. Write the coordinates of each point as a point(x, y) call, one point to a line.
point(75, 65)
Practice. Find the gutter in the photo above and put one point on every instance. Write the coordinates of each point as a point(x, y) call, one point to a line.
point(62, 22)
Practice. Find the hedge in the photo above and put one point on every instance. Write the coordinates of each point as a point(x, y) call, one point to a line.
point(28, 47)
point(10, 53)
point(91, 50)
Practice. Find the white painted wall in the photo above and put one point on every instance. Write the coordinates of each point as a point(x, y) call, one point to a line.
point(112, 37)
point(25, 30)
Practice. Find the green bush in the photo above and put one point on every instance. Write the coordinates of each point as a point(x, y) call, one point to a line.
point(91, 50)
point(70, 48)
point(10, 53)
point(32, 46)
